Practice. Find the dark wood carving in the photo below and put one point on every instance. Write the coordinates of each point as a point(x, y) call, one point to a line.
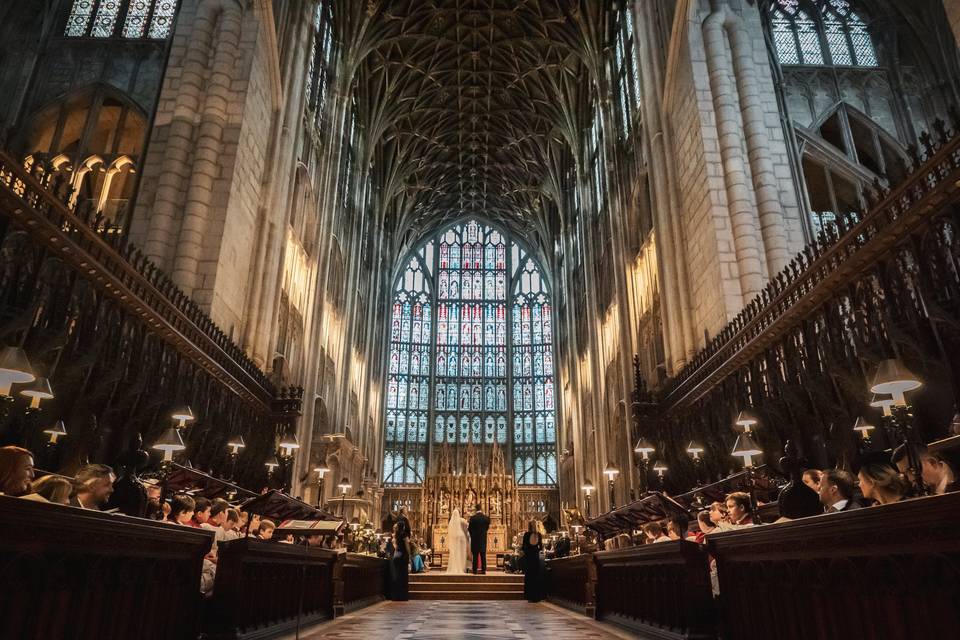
point(660, 590)
point(572, 583)
point(363, 581)
point(265, 588)
point(69, 573)
point(120, 343)
point(884, 573)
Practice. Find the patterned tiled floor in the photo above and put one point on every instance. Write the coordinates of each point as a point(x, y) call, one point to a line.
point(438, 620)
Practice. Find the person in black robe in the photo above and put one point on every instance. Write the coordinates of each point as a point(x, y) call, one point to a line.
point(400, 564)
point(533, 572)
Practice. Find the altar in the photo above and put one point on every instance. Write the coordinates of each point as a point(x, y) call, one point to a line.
point(497, 540)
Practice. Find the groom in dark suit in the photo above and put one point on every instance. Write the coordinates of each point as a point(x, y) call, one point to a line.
point(479, 524)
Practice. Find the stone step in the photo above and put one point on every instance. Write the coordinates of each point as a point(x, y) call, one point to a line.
point(466, 595)
point(462, 586)
point(439, 576)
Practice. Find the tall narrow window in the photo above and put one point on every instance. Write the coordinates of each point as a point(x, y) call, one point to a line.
point(408, 379)
point(795, 35)
point(534, 433)
point(321, 62)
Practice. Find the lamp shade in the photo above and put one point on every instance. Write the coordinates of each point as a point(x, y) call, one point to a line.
point(894, 378)
point(236, 443)
point(289, 442)
point(644, 447)
point(272, 463)
point(183, 415)
point(14, 369)
point(611, 472)
point(746, 448)
point(322, 470)
point(864, 427)
point(38, 390)
point(660, 467)
point(746, 419)
point(694, 449)
point(587, 487)
point(344, 485)
point(169, 442)
point(58, 430)
point(883, 404)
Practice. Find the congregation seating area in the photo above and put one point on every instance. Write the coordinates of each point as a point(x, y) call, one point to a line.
point(88, 574)
point(885, 572)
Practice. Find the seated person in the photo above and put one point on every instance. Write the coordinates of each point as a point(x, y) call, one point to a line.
point(882, 483)
point(181, 509)
point(93, 486)
point(16, 471)
point(939, 475)
point(201, 512)
point(265, 530)
point(837, 491)
point(705, 526)
point(677, 526)
point(738, 509)
point(718, 513)
point(51, 488)
point(811, 478)
point(654, 533)
point(230, 525)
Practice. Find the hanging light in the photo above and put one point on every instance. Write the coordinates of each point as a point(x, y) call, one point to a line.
point(271, 463)
point(611, 472)
point(883, 404)
point(895, 379)
point(746, 448)
point(644, 448)
point(14, 369)
point(169, 442)
point(288, 443)
point(587, 488)
point(355, 524)
point(56, 431)
point(660, 468)
point(746, 419)
point(344, 485)
point(863, 427)
point(236, 443)
point(38, 390)
point(321, 470)
point(183, 415)
point(695, 450)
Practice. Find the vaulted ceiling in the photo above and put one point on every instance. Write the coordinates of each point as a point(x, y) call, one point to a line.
point(471, 107)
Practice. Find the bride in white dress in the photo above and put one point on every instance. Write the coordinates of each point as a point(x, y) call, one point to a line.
point(457, 543)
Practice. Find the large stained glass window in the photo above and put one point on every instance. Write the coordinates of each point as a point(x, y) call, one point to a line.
point(408, 379)
point(534, 426)
point(491, 350)
point(150, 19)
point(803, 30)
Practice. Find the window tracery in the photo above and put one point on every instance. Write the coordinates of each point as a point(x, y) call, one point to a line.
point(485, 325)
point(130, 19)
point(820, 33)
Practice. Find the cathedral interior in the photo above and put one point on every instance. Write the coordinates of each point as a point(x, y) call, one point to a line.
point(550, 257)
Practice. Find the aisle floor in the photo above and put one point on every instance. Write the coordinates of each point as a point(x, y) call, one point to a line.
point(443, 620)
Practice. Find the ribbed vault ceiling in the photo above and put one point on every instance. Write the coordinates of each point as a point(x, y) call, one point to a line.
point(471, 107)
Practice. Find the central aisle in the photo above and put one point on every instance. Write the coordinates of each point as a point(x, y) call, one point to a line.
point(444, 620)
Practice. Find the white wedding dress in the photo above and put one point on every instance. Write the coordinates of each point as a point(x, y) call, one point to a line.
point(457, 543)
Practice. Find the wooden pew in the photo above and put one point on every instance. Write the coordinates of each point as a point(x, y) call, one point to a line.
point(264, 589)
point(72, 573)
point(658, 590)
point(362, 581)
point(887, 572)
point(572, 583)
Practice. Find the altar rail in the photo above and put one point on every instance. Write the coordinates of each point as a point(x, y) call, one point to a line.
point(69, 573)
point(885, 573)
point(267, 588)
point(362, 582)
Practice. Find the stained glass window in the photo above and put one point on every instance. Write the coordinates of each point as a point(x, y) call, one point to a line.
point(475, 289)
point(408, 373)
point(533, 374)
point(320, 62)
point(803, 30)
point(152, 19)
